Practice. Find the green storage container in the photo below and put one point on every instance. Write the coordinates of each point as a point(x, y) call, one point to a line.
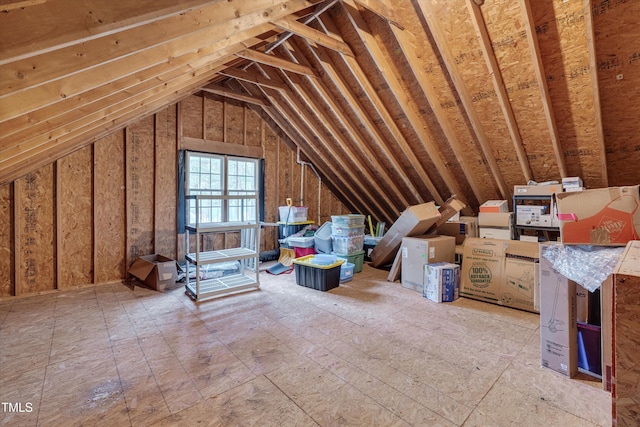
point(356, 258)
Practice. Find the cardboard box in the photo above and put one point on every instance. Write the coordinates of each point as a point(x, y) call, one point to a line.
point(421, 250)
point(535, 216)
point(500, 272)
point(414, 221)
point(441, 282)
point(606, 216)
point(626, 324)
point(494, 206)
point(571, 182)
point(156, 271)
point(448, 210)
point(502, 220)
point(496, 233)
point(537, 190)
point(583, 296)
point(558, 327)
point(466, 226)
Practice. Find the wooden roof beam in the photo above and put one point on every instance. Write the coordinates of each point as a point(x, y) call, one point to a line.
point(382, 10)
point(358, 109)
point(593, 68)
point(361, 144)
point(297, 116)
point(406, 42)
point(229, 93)
point(255, 78)
point(343, 150)
point(532, 39)
point(333, 43)
point(498, 84)
point(383, 112)
point(274, 61)
point(418, 125)
point(465, 98)
point(7, 5)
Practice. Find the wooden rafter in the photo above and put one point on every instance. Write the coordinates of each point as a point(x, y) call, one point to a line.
point(343, 150)
point(229, 93)
point(7, 5)
point(498, 84)
point(417, 123)
point(465, 98)
point(532, 39)
point(360, 143)
point(382, 110)
point(274, 61)
point(407, 44)
point(593, 67)
point(358, 109)
point(255, 78)
point(382, 10)
point(333, 43)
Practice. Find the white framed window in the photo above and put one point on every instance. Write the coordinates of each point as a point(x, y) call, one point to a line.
point(222, 175)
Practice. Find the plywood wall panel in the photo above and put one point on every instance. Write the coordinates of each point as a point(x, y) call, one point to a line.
point(234, 122)
point(469, 64)
point(36, 235)
point(617, 40)
point(110, 213)
point(191, 110)
point(269, 236)
point(7, 286)
point(166, 177)
point(561, 32)
point(140, 188)
point(505, 26)
point(214, 117)
point(75, 215)
point(253, 128)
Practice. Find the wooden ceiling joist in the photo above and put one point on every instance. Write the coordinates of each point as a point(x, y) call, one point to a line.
point(229, 93)
point(274, 61)
point(255, 78)
point(301, 30)
point(498, 84)
point(532, 39)
point(465, 98)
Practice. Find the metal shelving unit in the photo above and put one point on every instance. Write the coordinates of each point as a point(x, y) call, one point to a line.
point(543, 233)
point(246, 255)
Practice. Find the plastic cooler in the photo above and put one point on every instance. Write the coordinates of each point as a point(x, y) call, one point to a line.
point(357, 259)
point(320, 272)
point(347, 245)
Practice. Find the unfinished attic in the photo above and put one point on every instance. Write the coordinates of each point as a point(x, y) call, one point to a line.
point(319, 212)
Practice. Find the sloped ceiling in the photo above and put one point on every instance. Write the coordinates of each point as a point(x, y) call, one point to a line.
point(394, 102)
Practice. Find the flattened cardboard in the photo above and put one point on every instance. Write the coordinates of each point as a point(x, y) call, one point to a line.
point(156, 271)
point(605, 216)
point(421, 250)
point(414, 221)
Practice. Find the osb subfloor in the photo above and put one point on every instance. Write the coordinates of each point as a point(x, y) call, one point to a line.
point(368, 353)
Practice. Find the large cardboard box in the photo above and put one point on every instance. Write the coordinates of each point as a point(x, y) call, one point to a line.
point(500, 272)
point(537, 190)
point(421, 250)
point(414, 221)
point(626, 337)
point(558, 326)
point(441, 282)
point(466, 226)
point(606, 216)
point(495, 225)
point(448, 210)
point(156, 271)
